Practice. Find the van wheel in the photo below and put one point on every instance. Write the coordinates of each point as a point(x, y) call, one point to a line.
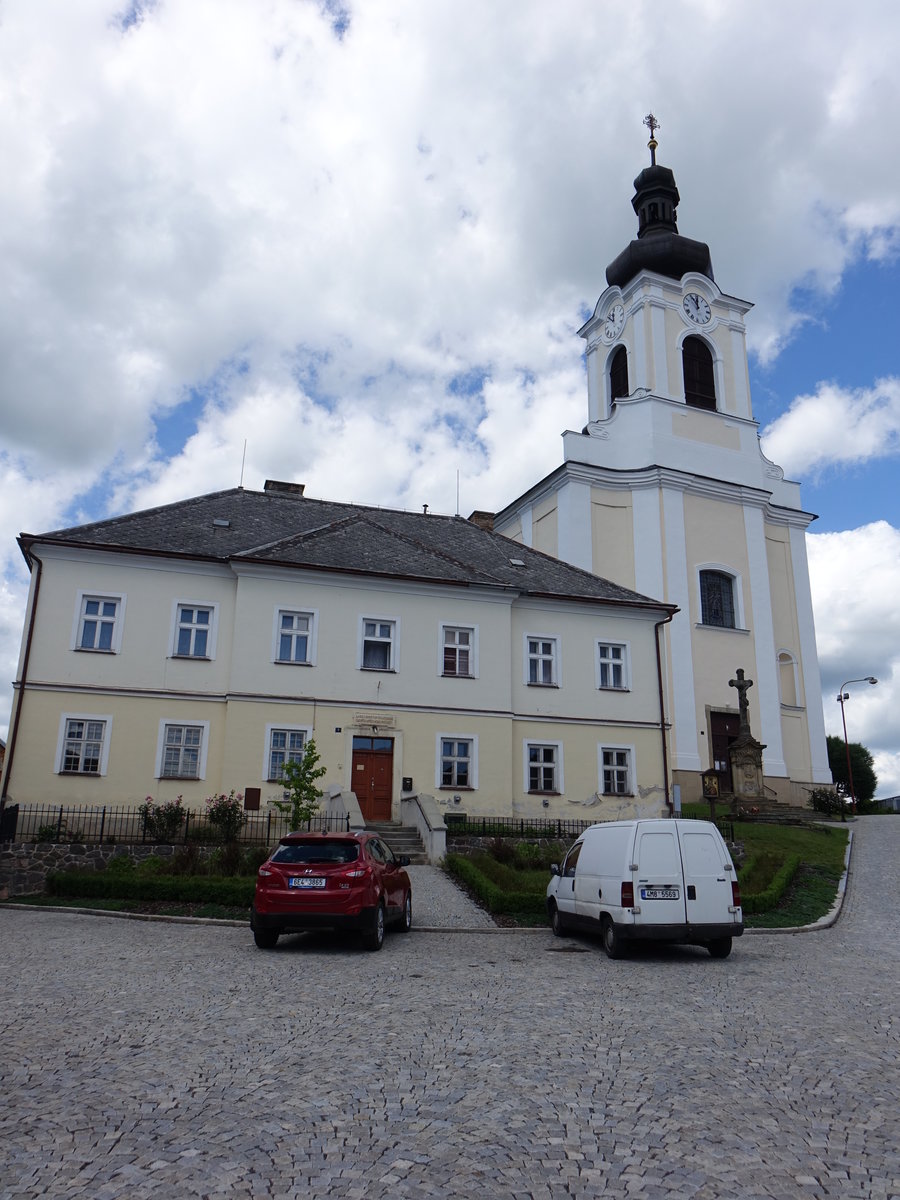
point(559, 927)
point(719, 947)
point(613, 943)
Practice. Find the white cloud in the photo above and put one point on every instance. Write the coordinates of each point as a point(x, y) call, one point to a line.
point(225, 223)
point(836, 426)
point(855, 580)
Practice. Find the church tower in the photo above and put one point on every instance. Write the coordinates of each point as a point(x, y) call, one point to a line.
point(667, 491)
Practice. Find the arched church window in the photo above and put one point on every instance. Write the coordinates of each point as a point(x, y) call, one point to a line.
point(699, 374)
point(717, 599)
point(618, 374)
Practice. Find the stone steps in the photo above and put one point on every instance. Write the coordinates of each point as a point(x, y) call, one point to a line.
point(402, 839)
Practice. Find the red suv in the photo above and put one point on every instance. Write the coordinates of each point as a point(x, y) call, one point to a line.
point(331, 881)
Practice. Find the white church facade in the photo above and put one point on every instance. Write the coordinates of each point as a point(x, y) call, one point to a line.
point(666, 491)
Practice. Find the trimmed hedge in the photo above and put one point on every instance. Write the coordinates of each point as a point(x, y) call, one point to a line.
point(494, 898)
point(768, 899)
point(190, 889)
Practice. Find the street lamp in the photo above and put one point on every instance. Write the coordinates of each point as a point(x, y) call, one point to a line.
point(842, 696)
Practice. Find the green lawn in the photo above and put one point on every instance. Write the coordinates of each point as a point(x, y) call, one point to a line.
point(790, 875)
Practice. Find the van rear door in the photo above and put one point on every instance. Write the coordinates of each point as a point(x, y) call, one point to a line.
point(659, 883)
point(706, 874)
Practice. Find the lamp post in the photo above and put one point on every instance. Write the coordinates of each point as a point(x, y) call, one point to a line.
point(842, 696)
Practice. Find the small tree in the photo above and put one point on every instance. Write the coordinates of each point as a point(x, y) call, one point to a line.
point(865, 781)
point(299, 778)
point(226, 814)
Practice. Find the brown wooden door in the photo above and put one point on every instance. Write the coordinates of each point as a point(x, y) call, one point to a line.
point(723, 729)
point(373, 773)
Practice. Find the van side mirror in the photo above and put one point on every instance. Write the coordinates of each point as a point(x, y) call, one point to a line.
point(554, 868)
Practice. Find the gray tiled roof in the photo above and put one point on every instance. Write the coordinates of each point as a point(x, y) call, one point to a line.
point(297, 531)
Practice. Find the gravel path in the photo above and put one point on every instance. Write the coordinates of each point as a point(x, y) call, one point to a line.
point(439, 903)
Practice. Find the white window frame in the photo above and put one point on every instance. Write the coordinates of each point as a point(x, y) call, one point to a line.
point(182, 722)
point(312, 637)
point(392, 642)
point(460, 627)
point(472, 739)
point(281, 727)
point(737, 589)
point(629, 767)
point(82, 599)
point(64, 719)
point(555, 659)
point(625, 665)
point(212, 630)
point(527, 745)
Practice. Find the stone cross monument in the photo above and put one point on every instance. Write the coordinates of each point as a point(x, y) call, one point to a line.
point(745, 751)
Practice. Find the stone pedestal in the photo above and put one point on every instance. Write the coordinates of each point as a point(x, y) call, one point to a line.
point(747, 771)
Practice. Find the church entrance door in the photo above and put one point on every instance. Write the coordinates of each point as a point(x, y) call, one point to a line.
point(723, 730)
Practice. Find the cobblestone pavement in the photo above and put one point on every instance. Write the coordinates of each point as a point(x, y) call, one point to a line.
point(143, 1059)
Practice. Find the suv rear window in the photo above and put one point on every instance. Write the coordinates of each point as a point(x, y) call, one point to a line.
point(317, 852)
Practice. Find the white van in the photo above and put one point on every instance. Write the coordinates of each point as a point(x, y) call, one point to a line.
point(669, 880)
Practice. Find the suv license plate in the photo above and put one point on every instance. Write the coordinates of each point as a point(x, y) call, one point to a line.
point(660, 894)
point(306, 881)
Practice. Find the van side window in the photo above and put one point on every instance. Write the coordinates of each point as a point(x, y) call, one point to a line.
point(568, 870)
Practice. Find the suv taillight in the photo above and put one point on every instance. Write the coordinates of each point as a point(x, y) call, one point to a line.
point(628, 895)
point(735, 893)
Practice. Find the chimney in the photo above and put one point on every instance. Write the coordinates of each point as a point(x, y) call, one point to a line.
point(484, 520)
point(273, 486)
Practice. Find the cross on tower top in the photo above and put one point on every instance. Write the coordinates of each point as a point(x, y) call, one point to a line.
point(652, 124)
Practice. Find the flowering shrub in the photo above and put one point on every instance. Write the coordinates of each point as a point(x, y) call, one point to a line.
point(226, 815)
point(162, 822)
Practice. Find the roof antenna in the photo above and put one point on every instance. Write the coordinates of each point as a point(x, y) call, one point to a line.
point(652, 124)
point(243, 457)
point(424, 508)
point(457, 491)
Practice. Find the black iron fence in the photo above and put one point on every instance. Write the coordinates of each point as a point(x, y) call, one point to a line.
point(57, 823)
point(542, 827)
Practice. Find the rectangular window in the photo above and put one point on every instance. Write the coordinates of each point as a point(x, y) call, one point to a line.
point(458, 651)
point(615, 771)
point(378, 645)
point(456, 762)
point(97, 623)
point(541, 661)
point(83, 746)
point(182, 749)
point(611, 665)
point(294, 637)
point(543, 767)
point(285, 745)
point(193, 634)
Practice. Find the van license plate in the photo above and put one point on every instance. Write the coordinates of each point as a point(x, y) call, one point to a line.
point(306, 881)
point(660, 894)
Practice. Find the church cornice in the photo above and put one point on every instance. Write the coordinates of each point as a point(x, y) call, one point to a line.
point(655, 476)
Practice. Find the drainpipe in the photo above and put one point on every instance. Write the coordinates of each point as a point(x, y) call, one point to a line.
point(20, 697)
point(662, 709)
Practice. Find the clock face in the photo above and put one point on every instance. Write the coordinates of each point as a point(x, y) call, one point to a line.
point(696, 308)
point(615, 319)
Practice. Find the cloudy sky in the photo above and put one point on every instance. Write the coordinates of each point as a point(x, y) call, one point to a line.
point(360, 237)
